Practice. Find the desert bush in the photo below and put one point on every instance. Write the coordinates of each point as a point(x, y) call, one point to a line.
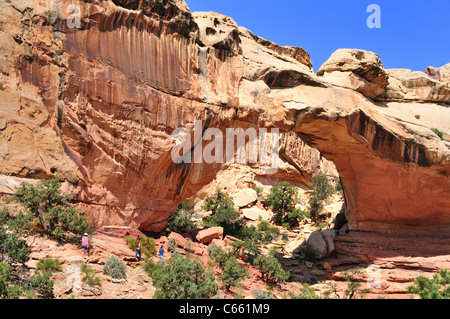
point(282, 200)
point(8, 291)
point(270, 268)
point(261, 294)
point(438, 133)
point(321, 189)
point(183, 278)
point(292, 219)
point(49, 264)
point(149, 266)
point(252, 239)
point(50, 210)
point(223, 213)
point(353, 289)
point(41, 284)
point(258, 190)
point(306, 292)
point(115, 268)
point(90, 277)
point(13, 230)
point(148, 247)
point(265, 226)
point(308, 251)
point(172, 245)
point(131, 241)
point(233, 273)
point(181, 219)
point(438, 287)
point(221, 255)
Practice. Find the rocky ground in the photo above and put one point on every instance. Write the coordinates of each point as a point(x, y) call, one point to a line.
point(389, 263)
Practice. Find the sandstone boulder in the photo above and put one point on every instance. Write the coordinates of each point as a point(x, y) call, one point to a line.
point(244, 197)
point(359, 70)
point(218, 242)
point(228, 240)
point(255, 213)
point(180, 240)
point(316, 242)
point(329, 235)
point(206, 235)
point(322, 241)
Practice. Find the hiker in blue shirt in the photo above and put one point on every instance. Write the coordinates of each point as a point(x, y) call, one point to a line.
point(161, 253)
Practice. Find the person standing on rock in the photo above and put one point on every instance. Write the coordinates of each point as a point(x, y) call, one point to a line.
point(137, 246)
point(161, 253)
point(85, 243)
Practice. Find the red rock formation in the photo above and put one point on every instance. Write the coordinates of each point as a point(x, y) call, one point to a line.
point(97, 104)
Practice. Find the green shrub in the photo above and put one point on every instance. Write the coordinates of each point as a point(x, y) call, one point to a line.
point(233, 273)
point(436, 288)
point(12, 248)
point(183, 278)
point(438, 133)
point(181, 219)
point(149, 266)
point(223, 214)
point(271, 269)
point(221, 255)
point(265, 226)
point(8, 291)
point(13, 230)
point(321, 189)
point(258, 190)
point(306, 292)
point(338, 187)
point(261, 294)
point(131, 241)
point(50, 210)
point(253, 238)
point(353, 290)
point(172, 245)
point(90, 276)
point(42, 284)
point(148, 247)
point(282, 200)
point(293, 219)
point(49, 264)
point(115, 268)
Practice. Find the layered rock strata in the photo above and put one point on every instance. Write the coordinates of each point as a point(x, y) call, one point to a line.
point(96, 105)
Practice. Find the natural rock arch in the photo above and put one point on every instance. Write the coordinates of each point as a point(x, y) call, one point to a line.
point(101, 111)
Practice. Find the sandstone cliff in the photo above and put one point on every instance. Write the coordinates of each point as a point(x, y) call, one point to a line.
point(96, 104)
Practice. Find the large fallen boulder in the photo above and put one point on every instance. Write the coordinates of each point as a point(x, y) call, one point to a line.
point(207, 235)
point(322, 242)
point(179, 239)
point(255, 213)
point(245, 197)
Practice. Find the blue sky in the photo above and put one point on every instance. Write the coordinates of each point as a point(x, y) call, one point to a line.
point(413, 34)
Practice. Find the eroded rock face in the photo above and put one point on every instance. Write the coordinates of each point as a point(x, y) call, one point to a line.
point(97, 104)
point(358, 70)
